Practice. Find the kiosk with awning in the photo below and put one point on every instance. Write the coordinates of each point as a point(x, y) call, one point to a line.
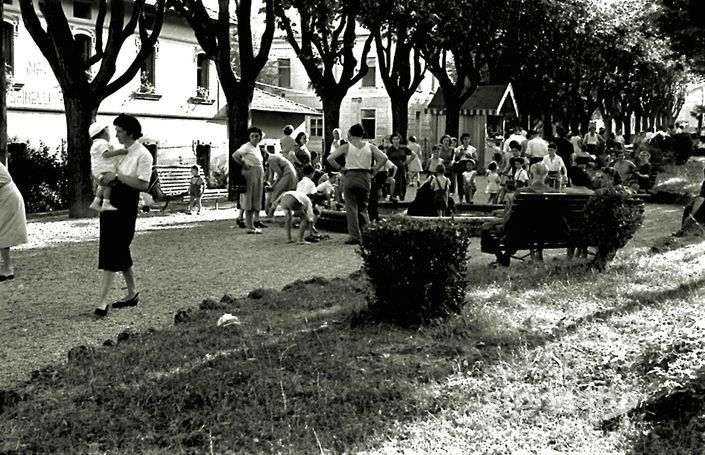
point(489, 104)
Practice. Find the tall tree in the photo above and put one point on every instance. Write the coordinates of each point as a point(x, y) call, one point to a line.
point(684, 22)
point(237, 78)
point(463, 38)
point(545, 63)
point(83, 94)
point(394, 25)
point(325, 41)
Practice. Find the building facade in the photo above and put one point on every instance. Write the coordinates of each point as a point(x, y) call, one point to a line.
point(176, 95)
point(366, 102)
point(173, 95)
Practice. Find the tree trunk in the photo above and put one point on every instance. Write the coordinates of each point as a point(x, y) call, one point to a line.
point(585, 123)
point(80, 113)
point(452, 116)
point(547, 124)
point(238, 123)
point(400, 114)
point(637, 123)
point(331, 120)
point(627, 127)
point(607, 118)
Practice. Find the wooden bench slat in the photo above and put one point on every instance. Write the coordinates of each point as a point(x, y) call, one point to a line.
point(175, 180)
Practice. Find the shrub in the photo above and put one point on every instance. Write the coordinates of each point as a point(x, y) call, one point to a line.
point(613, 217)
point(41, 176)
point(417, 268)
point(218, 177)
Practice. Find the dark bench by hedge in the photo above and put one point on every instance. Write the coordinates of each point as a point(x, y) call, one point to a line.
point(541, 221)
point(174, 183)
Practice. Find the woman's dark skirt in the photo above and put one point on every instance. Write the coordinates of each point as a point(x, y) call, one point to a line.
point(117, 229)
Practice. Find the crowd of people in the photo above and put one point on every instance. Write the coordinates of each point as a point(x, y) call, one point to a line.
point(604, 158)
point(360, 174)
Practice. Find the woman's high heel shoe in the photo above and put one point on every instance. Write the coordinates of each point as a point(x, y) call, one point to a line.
point(101, 312)
point(127, 303)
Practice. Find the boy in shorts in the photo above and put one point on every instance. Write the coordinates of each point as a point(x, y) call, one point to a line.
point(103, 160)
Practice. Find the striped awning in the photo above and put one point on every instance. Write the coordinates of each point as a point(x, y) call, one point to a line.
point(486, 100)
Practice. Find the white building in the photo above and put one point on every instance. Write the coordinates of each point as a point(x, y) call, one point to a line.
point(183, 91)
point(176, 95)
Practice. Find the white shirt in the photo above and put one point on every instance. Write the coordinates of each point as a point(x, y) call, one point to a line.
point(306, 186)
point(521, 175)
point(326, 187)
point(537, 147)
point(250, 154)
point(590, 139)
point(576, 140)
point(100, 164)
point(358, 158)
point(137, 162)
point(514, 137)
point(553, 165)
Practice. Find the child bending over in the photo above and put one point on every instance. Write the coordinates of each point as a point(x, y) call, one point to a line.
point(296, 203)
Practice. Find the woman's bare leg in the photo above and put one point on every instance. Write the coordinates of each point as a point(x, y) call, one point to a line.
point(106, 282)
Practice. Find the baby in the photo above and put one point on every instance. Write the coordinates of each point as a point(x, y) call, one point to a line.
point(103, 160)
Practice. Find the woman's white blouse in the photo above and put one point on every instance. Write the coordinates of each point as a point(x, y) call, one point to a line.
point(137, 162)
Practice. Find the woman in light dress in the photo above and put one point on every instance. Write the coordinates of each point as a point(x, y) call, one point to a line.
point(13, 224)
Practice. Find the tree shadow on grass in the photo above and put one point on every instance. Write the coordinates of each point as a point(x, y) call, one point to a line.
point(273, 385)
point(669, 423)
point(294, 377)
point(635, 301)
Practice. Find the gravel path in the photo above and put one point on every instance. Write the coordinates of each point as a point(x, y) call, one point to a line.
point(179, 260)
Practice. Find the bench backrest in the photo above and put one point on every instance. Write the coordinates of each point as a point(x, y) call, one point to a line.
point(174, 180)
point(548, 218)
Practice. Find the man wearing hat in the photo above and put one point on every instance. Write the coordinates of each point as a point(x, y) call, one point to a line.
point(103, 159)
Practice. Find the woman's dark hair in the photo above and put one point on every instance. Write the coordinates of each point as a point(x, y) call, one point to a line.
point(299, 136)
point(492, 166)
point(393, 135)
point(514, 145)
point(412, 138)
point(579, 177)
point(357, 130)
point(254, 129)
point(445, 136)
point(463, 136)
point(288, 129)
point(130, 124)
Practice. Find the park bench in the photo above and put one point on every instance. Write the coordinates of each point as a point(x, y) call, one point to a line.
point(174, 181)
point(540, 221)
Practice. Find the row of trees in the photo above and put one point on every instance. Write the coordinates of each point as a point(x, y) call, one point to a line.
point(566, 58)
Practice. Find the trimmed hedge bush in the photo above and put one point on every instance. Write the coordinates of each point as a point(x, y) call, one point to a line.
point(417, 268)
point(41, 176)
point(613, 217)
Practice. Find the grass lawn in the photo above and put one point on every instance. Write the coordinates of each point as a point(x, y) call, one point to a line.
point(546, 358)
